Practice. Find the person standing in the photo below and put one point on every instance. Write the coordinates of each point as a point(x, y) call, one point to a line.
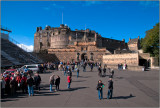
point(100, 86)
point(57, 82)
point(69, 81)
point(24, 83)
point(110, 88)
point(3, 83)
point(37, 80)
point(51, 80)
point(25, 69)
point(7, 86)
point(13, 86)
point(30, 82)
point(104, 71)
point(18, 80)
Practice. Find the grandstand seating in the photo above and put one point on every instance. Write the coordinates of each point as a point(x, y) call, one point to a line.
point(5, 61)
point(17, 53)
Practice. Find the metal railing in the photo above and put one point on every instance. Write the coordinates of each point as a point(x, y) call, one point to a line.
point(19, 45)
point(23, 48)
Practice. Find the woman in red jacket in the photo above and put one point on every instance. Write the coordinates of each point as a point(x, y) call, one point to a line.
point(69, 80)
point(18, 79)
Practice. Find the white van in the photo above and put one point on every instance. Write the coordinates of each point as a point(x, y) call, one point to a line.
point(33, 67)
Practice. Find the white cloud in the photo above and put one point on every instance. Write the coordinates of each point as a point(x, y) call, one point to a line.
point(28, 48)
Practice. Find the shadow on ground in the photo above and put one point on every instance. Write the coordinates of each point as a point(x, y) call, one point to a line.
point(46, 94)
point(79, 81)
point(123, 97)
point(73, 89)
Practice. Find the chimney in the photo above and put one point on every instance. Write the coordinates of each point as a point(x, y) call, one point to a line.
point(138, 37)
point(129, 39)
point(37, 29)
point(123, 40)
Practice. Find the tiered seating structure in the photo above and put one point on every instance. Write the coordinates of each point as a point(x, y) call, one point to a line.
point(17, 53)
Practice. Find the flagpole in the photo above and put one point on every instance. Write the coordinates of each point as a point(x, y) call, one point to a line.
point(62, 17)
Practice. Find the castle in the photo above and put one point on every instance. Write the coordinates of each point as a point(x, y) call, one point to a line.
point(76, 45)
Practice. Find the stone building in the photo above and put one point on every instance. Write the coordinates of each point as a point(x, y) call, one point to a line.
point(74, 45)
point(134, 44)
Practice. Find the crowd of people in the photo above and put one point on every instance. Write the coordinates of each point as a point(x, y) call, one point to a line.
point(30, 83)
point(11, 83)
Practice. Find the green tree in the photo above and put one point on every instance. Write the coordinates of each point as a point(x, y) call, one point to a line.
point(150, 43)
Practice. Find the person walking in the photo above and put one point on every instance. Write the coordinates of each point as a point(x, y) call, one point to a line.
point(77, 72)
point(30, 83)
point(104, 71)
point(110, 89)
point(51, 80)
point(57, 83)
point(69, 72)
point(84, 67)
point(37, 81)
point(112, 73)
point(65, 70)
point(99, 71)
point(100, 86)
point(69, 81)
point(91, 66)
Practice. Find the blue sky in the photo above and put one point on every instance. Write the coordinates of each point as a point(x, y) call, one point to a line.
point(111, 19)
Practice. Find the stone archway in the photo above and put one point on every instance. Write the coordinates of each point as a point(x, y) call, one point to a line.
point(84, 57)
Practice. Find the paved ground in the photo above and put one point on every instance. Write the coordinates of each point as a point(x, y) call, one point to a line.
point(144, 87)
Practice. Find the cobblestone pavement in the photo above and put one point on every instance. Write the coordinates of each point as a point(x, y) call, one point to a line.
point(131, 89)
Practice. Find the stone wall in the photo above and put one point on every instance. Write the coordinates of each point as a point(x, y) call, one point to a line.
point(133, 47)
point(154, 62)
point(69, 54)
point(131, 59)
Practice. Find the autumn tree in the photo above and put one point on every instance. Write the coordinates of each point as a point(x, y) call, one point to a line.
point(150, 43)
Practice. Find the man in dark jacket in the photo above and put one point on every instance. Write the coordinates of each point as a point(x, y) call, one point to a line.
point(12, 86)
point(91, 66)
point(110, 88)
point(37, 81)
point(57, 82)
point(99, 71)
point(100, 86)
point(30, 82)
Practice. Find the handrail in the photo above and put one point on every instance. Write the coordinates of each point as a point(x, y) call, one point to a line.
point(19, 45)
point(22, 47)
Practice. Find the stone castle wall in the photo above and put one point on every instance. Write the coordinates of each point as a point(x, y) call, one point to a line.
point(131, 59)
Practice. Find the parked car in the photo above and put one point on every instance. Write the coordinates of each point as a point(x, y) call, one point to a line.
point(9, 71)
point(33, 67)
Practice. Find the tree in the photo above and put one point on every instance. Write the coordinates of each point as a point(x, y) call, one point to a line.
point(150, 43)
